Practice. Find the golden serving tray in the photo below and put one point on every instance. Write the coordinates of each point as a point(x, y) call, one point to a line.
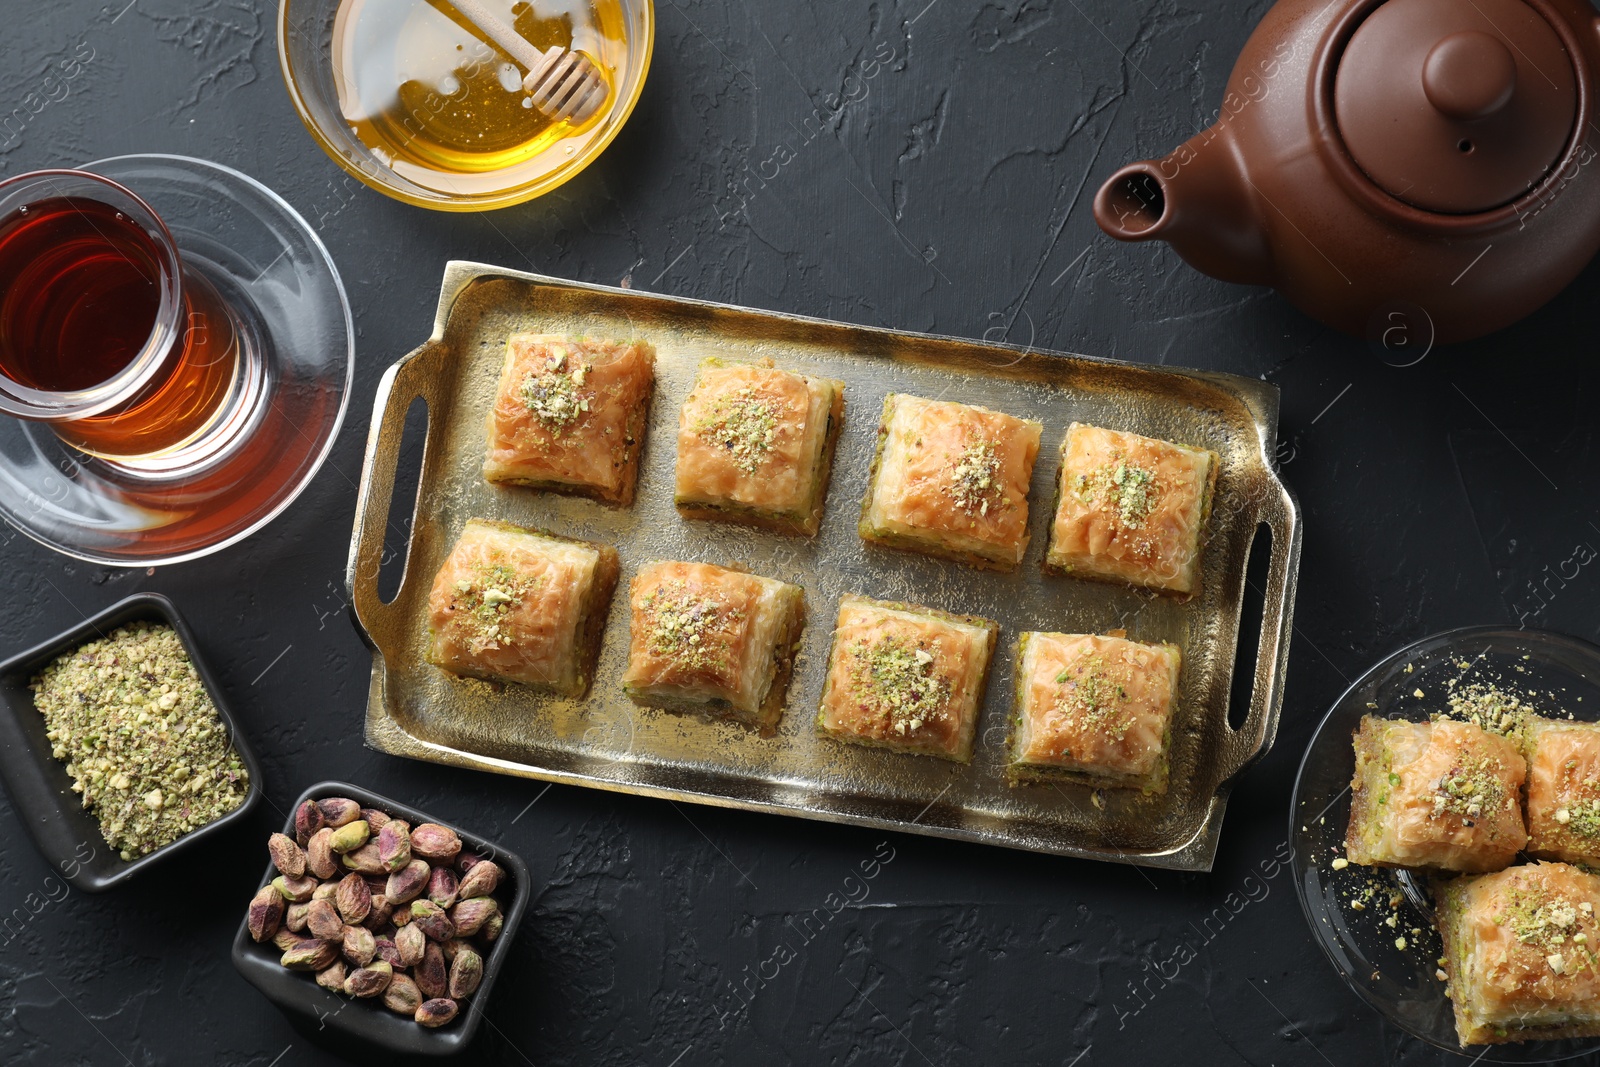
point(607, 742)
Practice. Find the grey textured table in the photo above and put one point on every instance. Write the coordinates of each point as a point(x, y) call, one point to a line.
point(946, 192)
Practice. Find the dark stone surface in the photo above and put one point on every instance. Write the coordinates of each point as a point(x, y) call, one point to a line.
point(951, 195)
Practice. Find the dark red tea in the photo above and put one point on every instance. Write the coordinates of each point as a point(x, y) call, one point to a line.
point(82, 286)
point(80, 293)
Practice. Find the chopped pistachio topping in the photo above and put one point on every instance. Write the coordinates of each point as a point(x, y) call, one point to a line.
point(1580, 806)
point(1128, 491)
point(1551, 924)
point(1472, 789)
point(682, 626)
point(896, 678)
point(1488, 708)
point(974, 484)
point(494, 591)
point(141, 739)
point(555, 393)
point(1091, 700)
point(745, 423)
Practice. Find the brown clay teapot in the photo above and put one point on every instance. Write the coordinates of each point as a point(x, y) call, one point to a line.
point(1380, 159)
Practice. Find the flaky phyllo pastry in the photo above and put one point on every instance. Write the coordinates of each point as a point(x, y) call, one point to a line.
point(1520, 953)
point(905, 677)
point(1131, 509)
point(712, 641)
point(1095, 710)
point(755, 445)
point(1441, 794)
point(951, 480)
point(569, 415)
point(517, 605)
point(1563, 789)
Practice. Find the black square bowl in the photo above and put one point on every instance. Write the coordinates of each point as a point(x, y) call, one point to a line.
point(39, 785)
point(367, 1022)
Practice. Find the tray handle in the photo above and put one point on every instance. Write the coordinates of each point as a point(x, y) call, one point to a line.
point(400, 385)
point(1280, 511)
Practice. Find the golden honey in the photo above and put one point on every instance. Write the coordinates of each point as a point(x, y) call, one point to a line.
point(442, 105)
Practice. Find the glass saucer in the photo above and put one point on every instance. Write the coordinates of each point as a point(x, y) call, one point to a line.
point(276, 275)
point(1556, 674)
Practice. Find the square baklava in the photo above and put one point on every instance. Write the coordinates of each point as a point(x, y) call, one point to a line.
point(1095, 710)
point(1520, 954)
point(1442, 794)
point(1131, 509)
point(1563, 789)
point(906, 678)
point(951, 480)
point(517, 605)
point(569, 415)
point(711, 641)
point(755, 445)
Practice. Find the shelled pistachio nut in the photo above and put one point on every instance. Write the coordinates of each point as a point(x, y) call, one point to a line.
point(436, 1012)
point(359, 945)
point(394, 844)
point(339, 811)
point(375, 818)
point(434, 842)
point(443, 887)
point(353, 899)
point(378, 917)
point(310, 955)
point(410, 942)
point(288, 857)
point(431, 974)
point(466, 971)
point(350, 836)
point(402, 996)
point(285, 939)
point(265, 914)
point(435, 923)
point(320, 858)
point(332, 977)
point(295, 890)
point(323, 921)
point(387, 951)
point(369, 981)
point(363, 860)
point(470, 915)
point(307, 821)
point(406, 884)
point(481, 880)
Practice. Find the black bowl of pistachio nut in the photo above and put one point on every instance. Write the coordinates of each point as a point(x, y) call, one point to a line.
point(381, 923)
point(117, 747)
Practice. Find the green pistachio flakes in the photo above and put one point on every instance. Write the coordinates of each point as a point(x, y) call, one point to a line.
point(141, 739)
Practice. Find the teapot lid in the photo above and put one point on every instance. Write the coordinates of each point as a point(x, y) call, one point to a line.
point(1455, 107)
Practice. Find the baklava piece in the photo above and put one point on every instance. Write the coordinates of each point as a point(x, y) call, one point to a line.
point(713, 642)
point(755, 445)
point(951, 480)
point(1563, 789)
point(1131, 509)
point(1520, 951)
point(516, 605)
point(1095, 710)
point(569, 416)
point(1442, 794)
point(906, 678)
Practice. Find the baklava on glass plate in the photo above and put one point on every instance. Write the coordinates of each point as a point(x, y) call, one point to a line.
point(1490, 677)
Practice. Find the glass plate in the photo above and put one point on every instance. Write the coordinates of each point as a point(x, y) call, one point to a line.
point(1563, 675)
point(274, 271)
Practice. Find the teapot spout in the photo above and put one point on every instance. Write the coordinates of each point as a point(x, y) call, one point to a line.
point(1198, 201)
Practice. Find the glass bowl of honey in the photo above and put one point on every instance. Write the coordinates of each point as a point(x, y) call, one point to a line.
point(413, 99)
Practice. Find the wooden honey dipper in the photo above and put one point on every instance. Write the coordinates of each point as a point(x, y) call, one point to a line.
point(565, 84)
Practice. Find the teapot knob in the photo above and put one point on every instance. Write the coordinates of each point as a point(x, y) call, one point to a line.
point(1469, 75)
